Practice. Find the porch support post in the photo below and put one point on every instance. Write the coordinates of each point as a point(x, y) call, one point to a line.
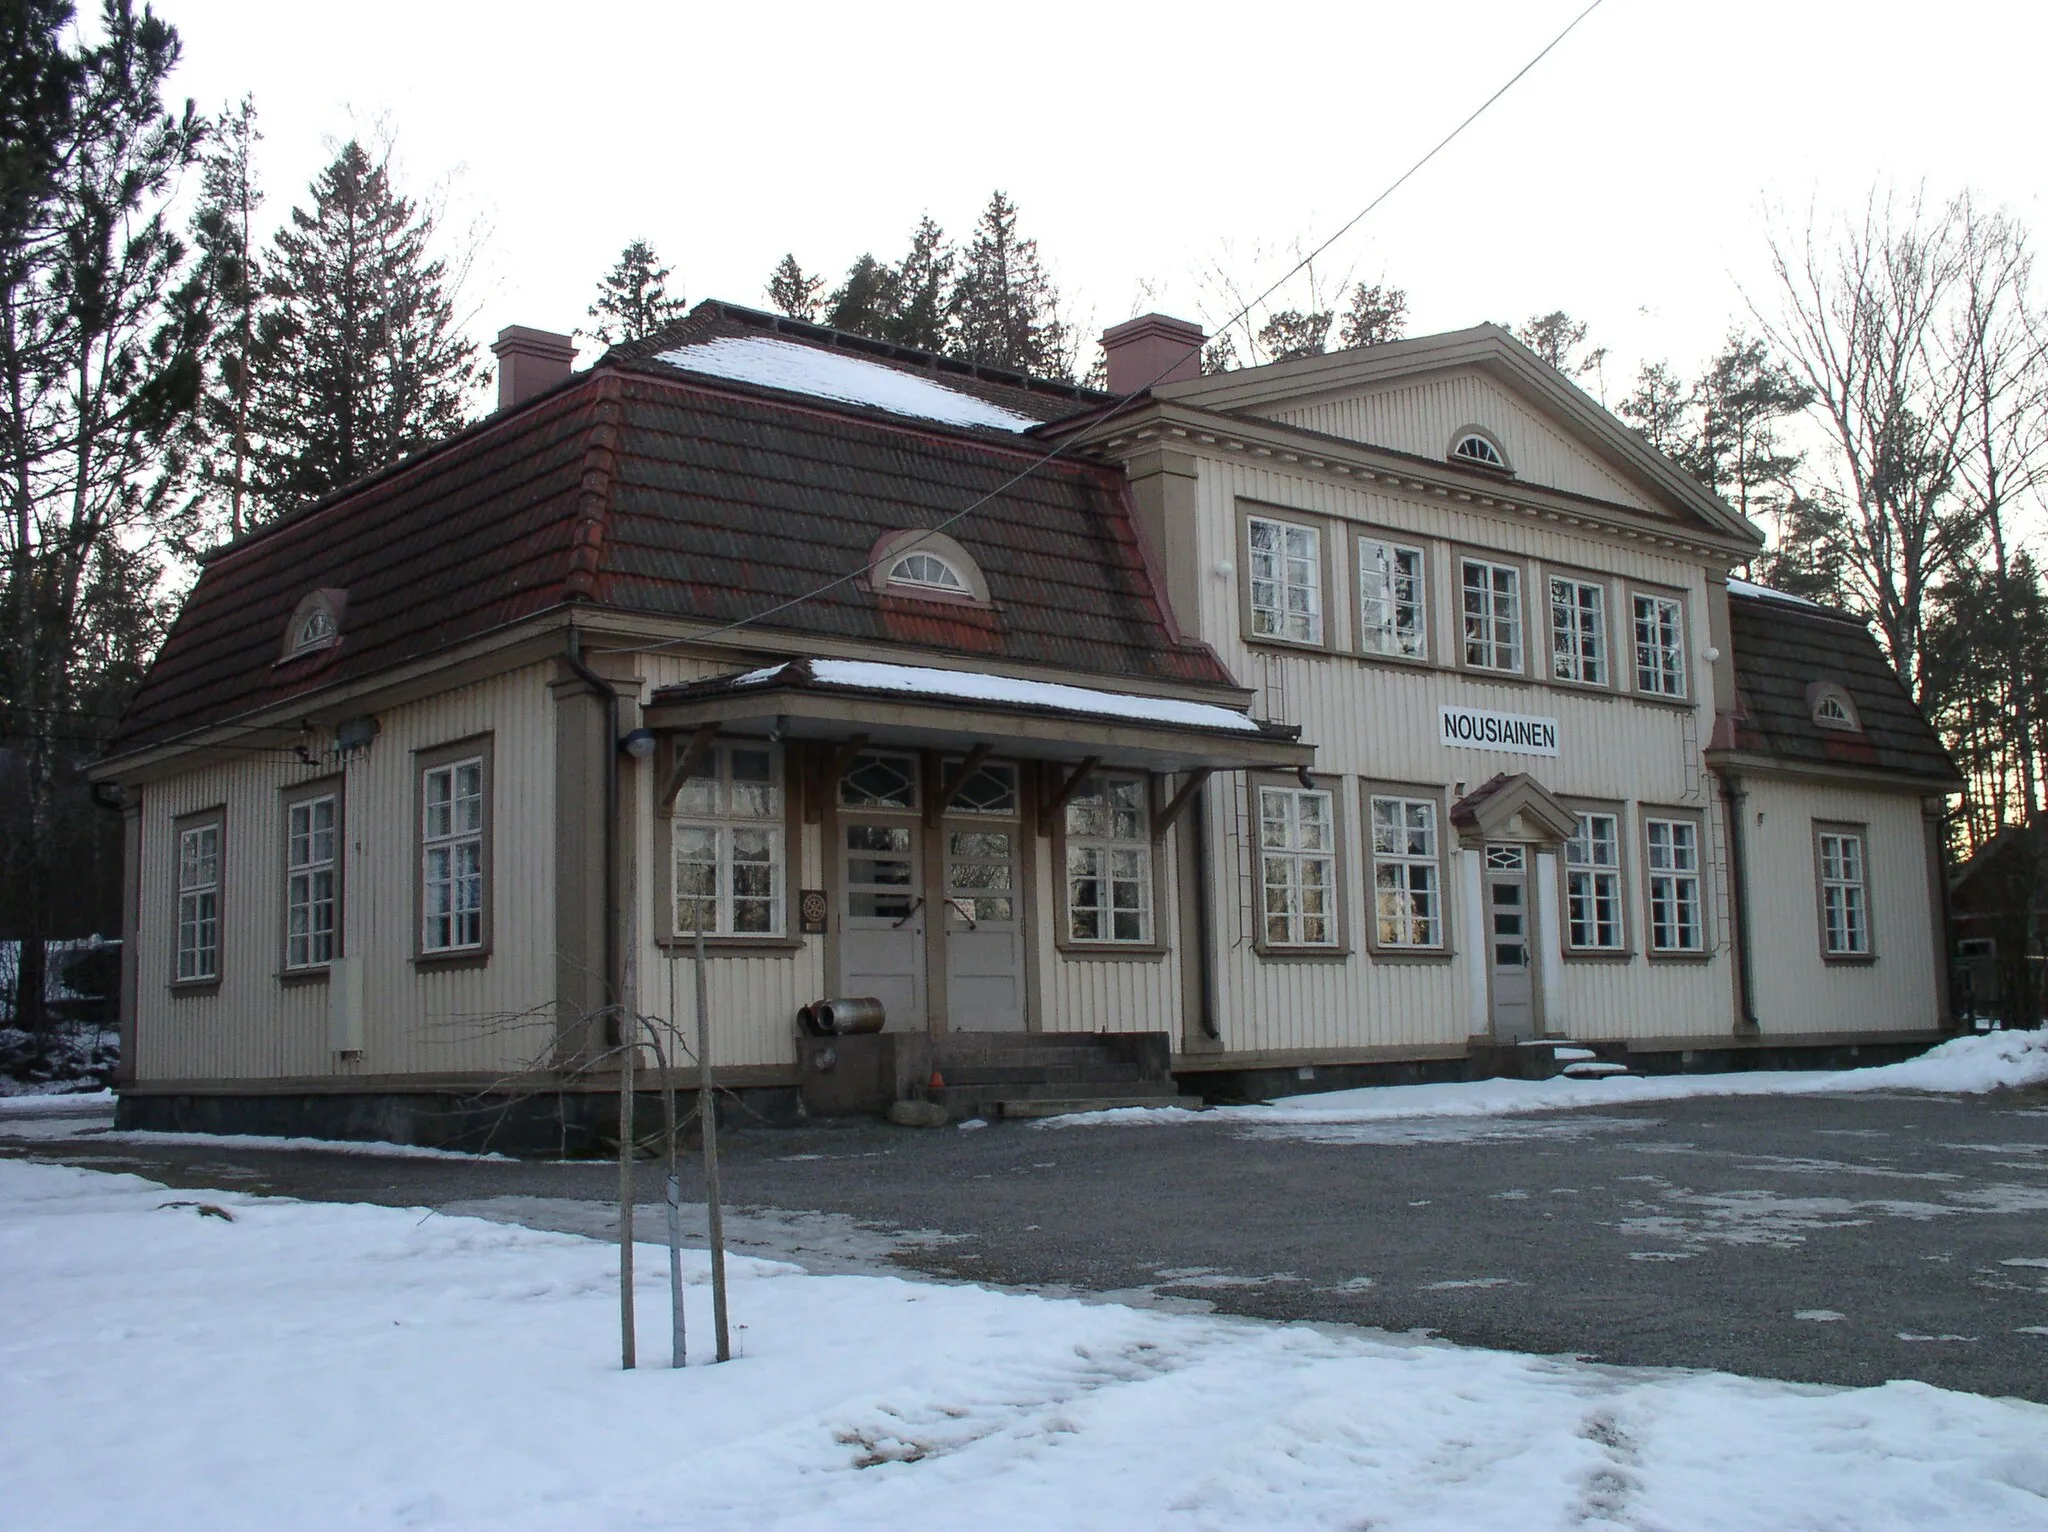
point(833, 769)
point(953, 781)
point(1163, 815)
point(1063, 794)
point(688, 759)
point(1472, 881)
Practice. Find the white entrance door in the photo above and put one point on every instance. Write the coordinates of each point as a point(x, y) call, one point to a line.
point(984, 928)
point(882, 916)
point(1508, 943)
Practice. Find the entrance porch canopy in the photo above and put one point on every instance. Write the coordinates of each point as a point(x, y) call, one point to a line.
point(927, 707)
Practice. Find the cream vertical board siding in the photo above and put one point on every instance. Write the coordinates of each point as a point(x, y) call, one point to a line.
point(753, 996)
point(1795, 991)
point(1381, 721)
point(494, 1018)
point(1423, 417)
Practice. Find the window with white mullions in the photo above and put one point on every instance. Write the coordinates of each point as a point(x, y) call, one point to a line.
point(1844, 895)
point(1286, 580)
point(1298, 866)
point(1578, 631)
point(1673, 873)
point(1660, 645)
point(1407, 896)
point(1493, 615)
point(1109, 861)
point(312, 863)
point(928, 571)
point(1592, 883)
point(452, 856)
point(199, 888)
point(1391, 616)
point(727, 842)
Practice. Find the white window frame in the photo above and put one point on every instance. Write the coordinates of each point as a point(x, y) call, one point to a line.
point(1578, 631)
point(1402, 876)
point(1673, 884)
point(1492, 457)
point(1595, 899)
point(953, 583)
point(1657, 629)
point(741, 823)
point(312, 882)
point(453, 857)
point(1842, 866)
point(1107, 849)
point(1286, 571)
point(1481, 639)
point(1296, 862)
point(1393, 598)
point(201, 876)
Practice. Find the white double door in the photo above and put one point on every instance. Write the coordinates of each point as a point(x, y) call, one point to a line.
point(916, 903)
point(1510, 930)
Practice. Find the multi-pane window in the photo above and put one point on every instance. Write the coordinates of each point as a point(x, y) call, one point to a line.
point(1298, 866)
point(199, 903)
point(1673, 873)
point(311, 860)
point(877, 781)
point(1109, 861)
point(726, 838)
point(452, 856)
point(927, 570)
point(1407, 896)
point(1286, 580)
point(1578, 631)
point(1390, 599)
point(1493, 615)
point(1660, 645)
point(1592, 884)
point(1844, 895)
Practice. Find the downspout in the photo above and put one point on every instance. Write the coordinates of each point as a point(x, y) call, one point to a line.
point(602, 688)
point(1738, 894)
point(1198, 818)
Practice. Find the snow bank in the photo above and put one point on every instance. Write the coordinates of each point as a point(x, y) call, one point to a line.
point(1966, 1065)
point(55, 1100)
point(833, 375)
point(1751, 588)
point(319, 1366)
point(973, 686)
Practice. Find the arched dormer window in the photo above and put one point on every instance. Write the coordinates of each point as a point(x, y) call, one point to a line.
point(929, 566)
point(315, 623)
point(1832, 707)
point(1475, 446)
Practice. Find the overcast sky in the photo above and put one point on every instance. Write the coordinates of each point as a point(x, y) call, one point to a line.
point(1625, 179)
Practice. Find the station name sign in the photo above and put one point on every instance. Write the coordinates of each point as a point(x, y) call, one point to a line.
point(1477, 729)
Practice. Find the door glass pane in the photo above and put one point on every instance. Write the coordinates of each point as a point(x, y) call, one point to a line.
point(881, 782)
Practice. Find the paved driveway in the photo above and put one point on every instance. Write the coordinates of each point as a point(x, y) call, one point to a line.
point(1824, 1239)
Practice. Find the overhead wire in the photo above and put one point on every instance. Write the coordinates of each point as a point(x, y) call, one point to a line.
point(1124, 401)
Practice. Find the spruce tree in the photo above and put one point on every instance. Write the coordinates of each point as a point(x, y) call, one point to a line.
point(918, 289)
point(224, 232)
point(358, 357)
point(632, 298)
point(792, 292)
point(1004, 309)
point(861, 304)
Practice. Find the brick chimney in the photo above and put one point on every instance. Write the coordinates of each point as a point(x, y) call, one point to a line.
point(1151, 349)
point(530, 362)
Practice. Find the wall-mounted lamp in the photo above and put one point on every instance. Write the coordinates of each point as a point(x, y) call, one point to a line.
point(353, 734)
point(1710, 654)
point(1225, 569)
point(639, 744)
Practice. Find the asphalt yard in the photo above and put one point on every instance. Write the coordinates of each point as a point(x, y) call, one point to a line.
point(1843, 1240)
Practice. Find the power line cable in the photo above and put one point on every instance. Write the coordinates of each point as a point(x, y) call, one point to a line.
point(1124, 402)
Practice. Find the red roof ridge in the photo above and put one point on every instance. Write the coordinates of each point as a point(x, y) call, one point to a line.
point(584, 579)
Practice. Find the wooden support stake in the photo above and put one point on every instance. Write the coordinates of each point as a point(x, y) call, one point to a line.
point(1163, 817)
point(707, 1122)
point(954, 780)
point(629, 1044)
point(1064, 795)
point(687, 761)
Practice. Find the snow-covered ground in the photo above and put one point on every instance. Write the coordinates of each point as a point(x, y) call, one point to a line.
point(322, 1366)
point(1966, 1065)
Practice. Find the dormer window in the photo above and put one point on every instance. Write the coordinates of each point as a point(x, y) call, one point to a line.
point(927, 566)
point(1833, 708)
point(927, 570)
point(315, 623)
point(1477, 447)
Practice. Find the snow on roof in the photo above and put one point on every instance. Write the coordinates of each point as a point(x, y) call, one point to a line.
point(833, 375)
point(971, 686)
point(1748, 588)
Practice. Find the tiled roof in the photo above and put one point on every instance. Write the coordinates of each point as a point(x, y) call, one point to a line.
point(1782, 648)
point(639, 488)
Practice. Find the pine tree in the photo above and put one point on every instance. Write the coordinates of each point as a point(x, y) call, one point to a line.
point(1004, 309)
point(1556, 338)
point(358, 357)
point(224, 232)
point(862, 303)
point(1660, 409)
point(1377, 314)
point(632, 298)
point(1742, 399)
point(918, 288)
point(792, 292)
